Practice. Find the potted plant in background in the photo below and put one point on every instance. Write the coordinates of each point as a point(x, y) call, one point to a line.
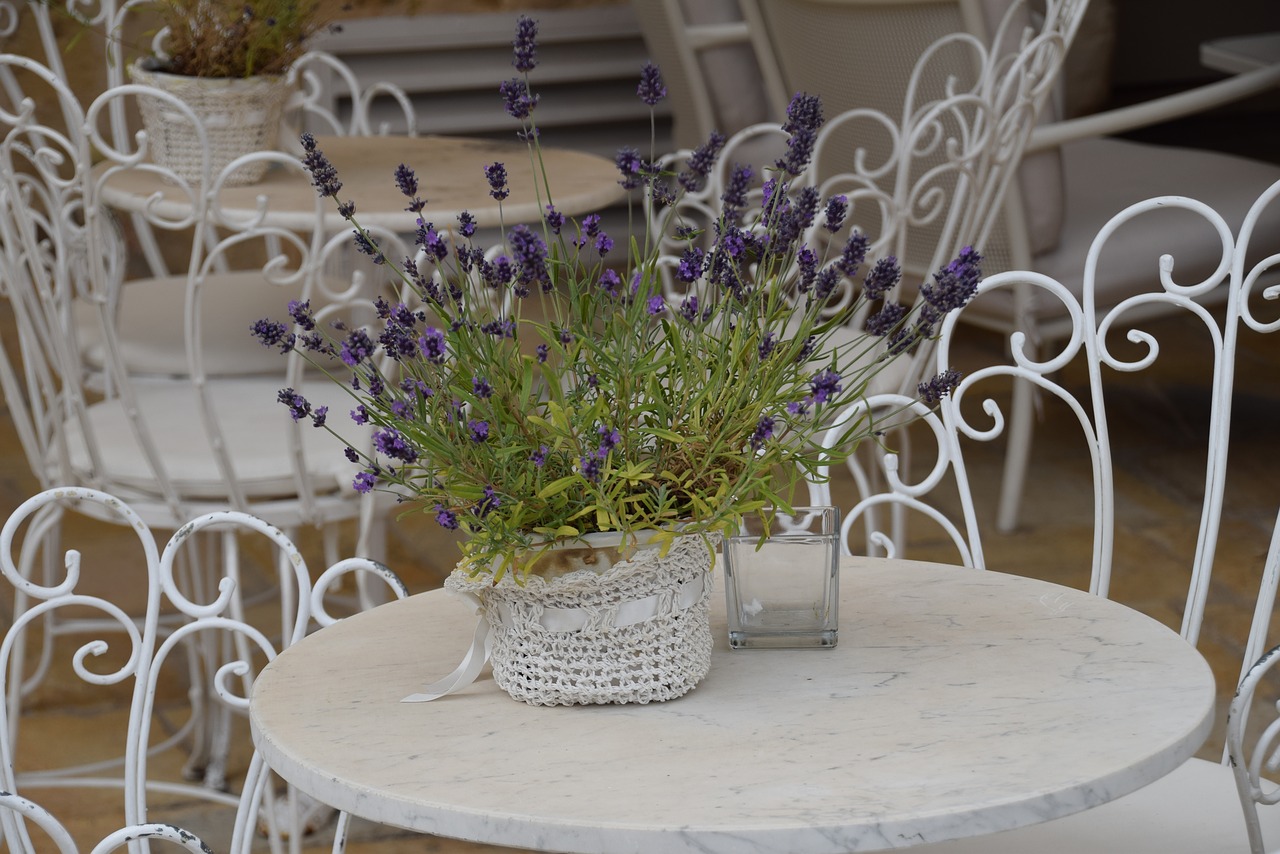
point(546, 395)
point(228, 63)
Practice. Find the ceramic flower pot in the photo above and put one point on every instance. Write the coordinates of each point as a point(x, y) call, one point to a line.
point(239, 116)
point(608, 627)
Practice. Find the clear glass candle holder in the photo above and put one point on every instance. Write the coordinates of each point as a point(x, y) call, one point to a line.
point(784, 592)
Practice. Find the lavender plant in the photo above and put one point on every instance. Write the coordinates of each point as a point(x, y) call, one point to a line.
point(592, 402)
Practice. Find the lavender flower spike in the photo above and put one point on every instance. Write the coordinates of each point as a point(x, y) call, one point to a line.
point(651, 89)
point(323, 176)
point(519, 100)
point(526, 46)
point(934, 389)
point(497, 177)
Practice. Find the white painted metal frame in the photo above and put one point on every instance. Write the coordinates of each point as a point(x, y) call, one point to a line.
point(1238, 287)
point(81, 426)
point(216, 621)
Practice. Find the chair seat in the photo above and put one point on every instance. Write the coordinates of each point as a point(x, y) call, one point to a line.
point(1193, 810)
point(1103, 177)
point(151, 335)
point(256, 430)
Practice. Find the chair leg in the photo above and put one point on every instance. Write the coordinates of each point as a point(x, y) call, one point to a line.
point(1017, 454)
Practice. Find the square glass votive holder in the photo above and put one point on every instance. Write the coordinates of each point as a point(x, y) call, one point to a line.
point(784, 592)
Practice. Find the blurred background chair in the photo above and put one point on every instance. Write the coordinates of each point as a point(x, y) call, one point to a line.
point(1073, 178)
point(194, 438)
point(143, 660)
point(926, 165)
point(1194, 809)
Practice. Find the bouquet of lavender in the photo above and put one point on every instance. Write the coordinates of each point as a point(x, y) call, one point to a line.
point(549, 388)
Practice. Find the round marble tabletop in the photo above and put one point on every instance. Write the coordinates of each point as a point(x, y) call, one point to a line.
point(450, 173)
point(958, 702)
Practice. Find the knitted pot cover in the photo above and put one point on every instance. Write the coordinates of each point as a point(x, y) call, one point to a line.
point(638, 633)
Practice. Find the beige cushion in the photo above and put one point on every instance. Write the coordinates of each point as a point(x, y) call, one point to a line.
point(1194, 810)
point(255, 426)
point(1104, 176)
point(150, 330)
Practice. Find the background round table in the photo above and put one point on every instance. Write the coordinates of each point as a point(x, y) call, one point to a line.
point(450, 173)
point(959, 702)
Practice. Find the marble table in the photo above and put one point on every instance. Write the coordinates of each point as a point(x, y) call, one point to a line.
point(450, 173)
point(958, 702)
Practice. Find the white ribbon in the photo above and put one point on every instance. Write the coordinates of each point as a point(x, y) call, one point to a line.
point(553, 619)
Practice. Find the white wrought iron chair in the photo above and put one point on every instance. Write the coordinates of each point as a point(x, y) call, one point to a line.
point(174, 446)
point(1193, 809)
point(137, 660)
point(858, 54)
point(927, 174)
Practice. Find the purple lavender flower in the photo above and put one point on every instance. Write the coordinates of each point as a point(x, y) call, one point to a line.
point(542, 353)
point(932, 391)
point(364, 482)
point(630, 165)
point(539, 457)
point(519, 101)
point(694, 178)
point(853, 254)
point(401, 409)
point(554, 219)
point(609, 439)
point(692, 263)
point(804, 117)
point(603, 243)
point(835, 212)
point(886, 319)
point(479, 430)
point(496, 174)
point(591, 224)
point(734, 199)
point(432, 345)
point(301, 314)
point(807, 261)
point(299, 408)
point(319, 415)
point(391, 442)
point(526, 47)
point(767, 345)
point(610, 281)
point(651, 89)
point(488, 503)
point(884, 274)
point(272, 333)
point(762, 434)
point(356, 348)
point(366, 246)
point(466, 224)
point(825, 285)
point(798, 407)
point(501, 327)
point(323, 176)
point(656, 305)
point(689, 308)
point(407, 183)
point(807, 349)
point(360, 415)
point(955, 284)
point(446, 518)
point(351, 454)
point(590, 468)
point(825, 385)
point(530, 256)
point(480, 386)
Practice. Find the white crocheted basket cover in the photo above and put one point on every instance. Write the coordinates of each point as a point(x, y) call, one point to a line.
point(658, 658)
point(240, 116)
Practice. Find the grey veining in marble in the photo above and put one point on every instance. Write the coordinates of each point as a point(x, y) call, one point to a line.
point(959, 702)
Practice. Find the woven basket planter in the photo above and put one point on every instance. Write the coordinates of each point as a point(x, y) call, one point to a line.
point(239, 116)
point(637, 632)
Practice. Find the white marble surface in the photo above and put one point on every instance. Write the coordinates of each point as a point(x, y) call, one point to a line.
point(959, 702)
point(450, 174)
